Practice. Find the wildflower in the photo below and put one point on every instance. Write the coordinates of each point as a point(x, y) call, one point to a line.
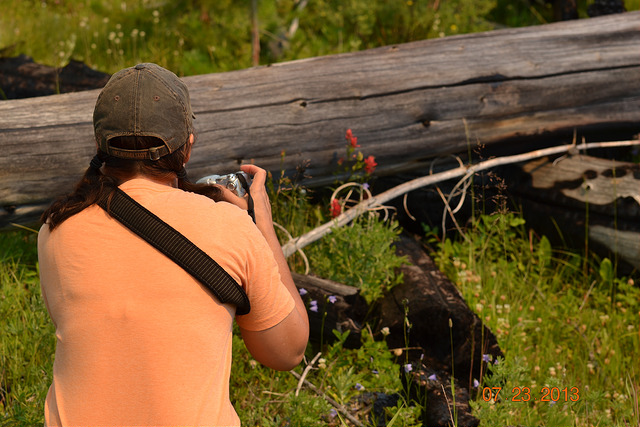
point(375, 372)
point(333, 413)
point(408, 368)
point(353, 141)
point(332, 299)
point(486, 358)
point(322, 363)
point(476, 383)
point(336, 209)
point(359, 387)
point(432, 377)
point(370, 164)
point(313, 306)
point(302, 291)
point(385, 331)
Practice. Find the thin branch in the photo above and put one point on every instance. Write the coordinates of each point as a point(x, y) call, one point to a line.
point(464, 171)
point(306, 372)
point(340, 408)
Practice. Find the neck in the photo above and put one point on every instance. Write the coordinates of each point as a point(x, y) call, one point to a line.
point(168, 179)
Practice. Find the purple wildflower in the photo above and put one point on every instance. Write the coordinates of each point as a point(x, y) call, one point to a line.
point(313, 306)
point(408, 368)
point(476, 383)
point(486, 358)
point(332, 299)
point(432, 377)
point(302, 291)
point(359, 386)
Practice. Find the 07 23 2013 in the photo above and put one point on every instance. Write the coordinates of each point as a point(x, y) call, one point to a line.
point(525, 394)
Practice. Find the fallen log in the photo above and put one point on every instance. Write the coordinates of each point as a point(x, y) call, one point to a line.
point(21, 77)
point(426, 98)
point(575, 197)
point(434, 308)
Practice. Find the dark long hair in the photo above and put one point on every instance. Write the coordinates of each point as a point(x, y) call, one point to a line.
point(96, 185)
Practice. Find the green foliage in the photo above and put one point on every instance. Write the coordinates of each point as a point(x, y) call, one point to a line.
point(361, 255)
point(558, 325)
point(267, 398)
point(188, 37)
point(205, 36)
point(334, 26)
point(27, 340)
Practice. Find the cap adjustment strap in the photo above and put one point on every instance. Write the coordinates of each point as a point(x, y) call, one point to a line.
point(153, 153)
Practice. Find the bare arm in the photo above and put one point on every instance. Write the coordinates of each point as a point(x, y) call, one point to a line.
point(282, 346)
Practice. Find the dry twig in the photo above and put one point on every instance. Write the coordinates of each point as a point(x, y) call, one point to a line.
point(462, 171)
point(340, 408)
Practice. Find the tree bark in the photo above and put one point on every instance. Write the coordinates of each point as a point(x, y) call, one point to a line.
point(406, 104)
point(428, 302)
point(573, 197)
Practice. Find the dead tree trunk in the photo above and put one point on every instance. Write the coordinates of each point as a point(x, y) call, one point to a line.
point(428, 301)
point(574, 198)
point(426, 98)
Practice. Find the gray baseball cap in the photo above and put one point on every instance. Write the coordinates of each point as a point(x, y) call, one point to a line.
point(145, 100)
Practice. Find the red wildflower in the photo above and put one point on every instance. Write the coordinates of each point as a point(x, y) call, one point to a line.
point(336, 209)
point(370, 164)
point(352, 139)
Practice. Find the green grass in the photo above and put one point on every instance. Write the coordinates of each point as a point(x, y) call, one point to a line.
point(555, 321)
point(27, 341)
point(559, 325)
point(205, 36)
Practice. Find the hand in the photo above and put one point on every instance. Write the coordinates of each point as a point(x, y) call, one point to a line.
point(258, 190)
point(262, 206)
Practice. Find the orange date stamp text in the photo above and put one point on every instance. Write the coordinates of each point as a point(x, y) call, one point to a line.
point(525, 394)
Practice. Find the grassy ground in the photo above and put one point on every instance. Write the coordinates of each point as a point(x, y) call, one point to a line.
point(566, 323)
point(204, 36)
point(568, 326)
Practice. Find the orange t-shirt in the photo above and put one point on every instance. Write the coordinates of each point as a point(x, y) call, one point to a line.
point(139, 341)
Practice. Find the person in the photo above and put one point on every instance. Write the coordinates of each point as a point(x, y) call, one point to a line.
point(139, 341)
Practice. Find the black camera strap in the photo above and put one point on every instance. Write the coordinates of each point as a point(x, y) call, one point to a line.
point(178, 248)
point(246, 186)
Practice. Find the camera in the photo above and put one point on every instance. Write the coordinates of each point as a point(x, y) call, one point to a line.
point(232, 181)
